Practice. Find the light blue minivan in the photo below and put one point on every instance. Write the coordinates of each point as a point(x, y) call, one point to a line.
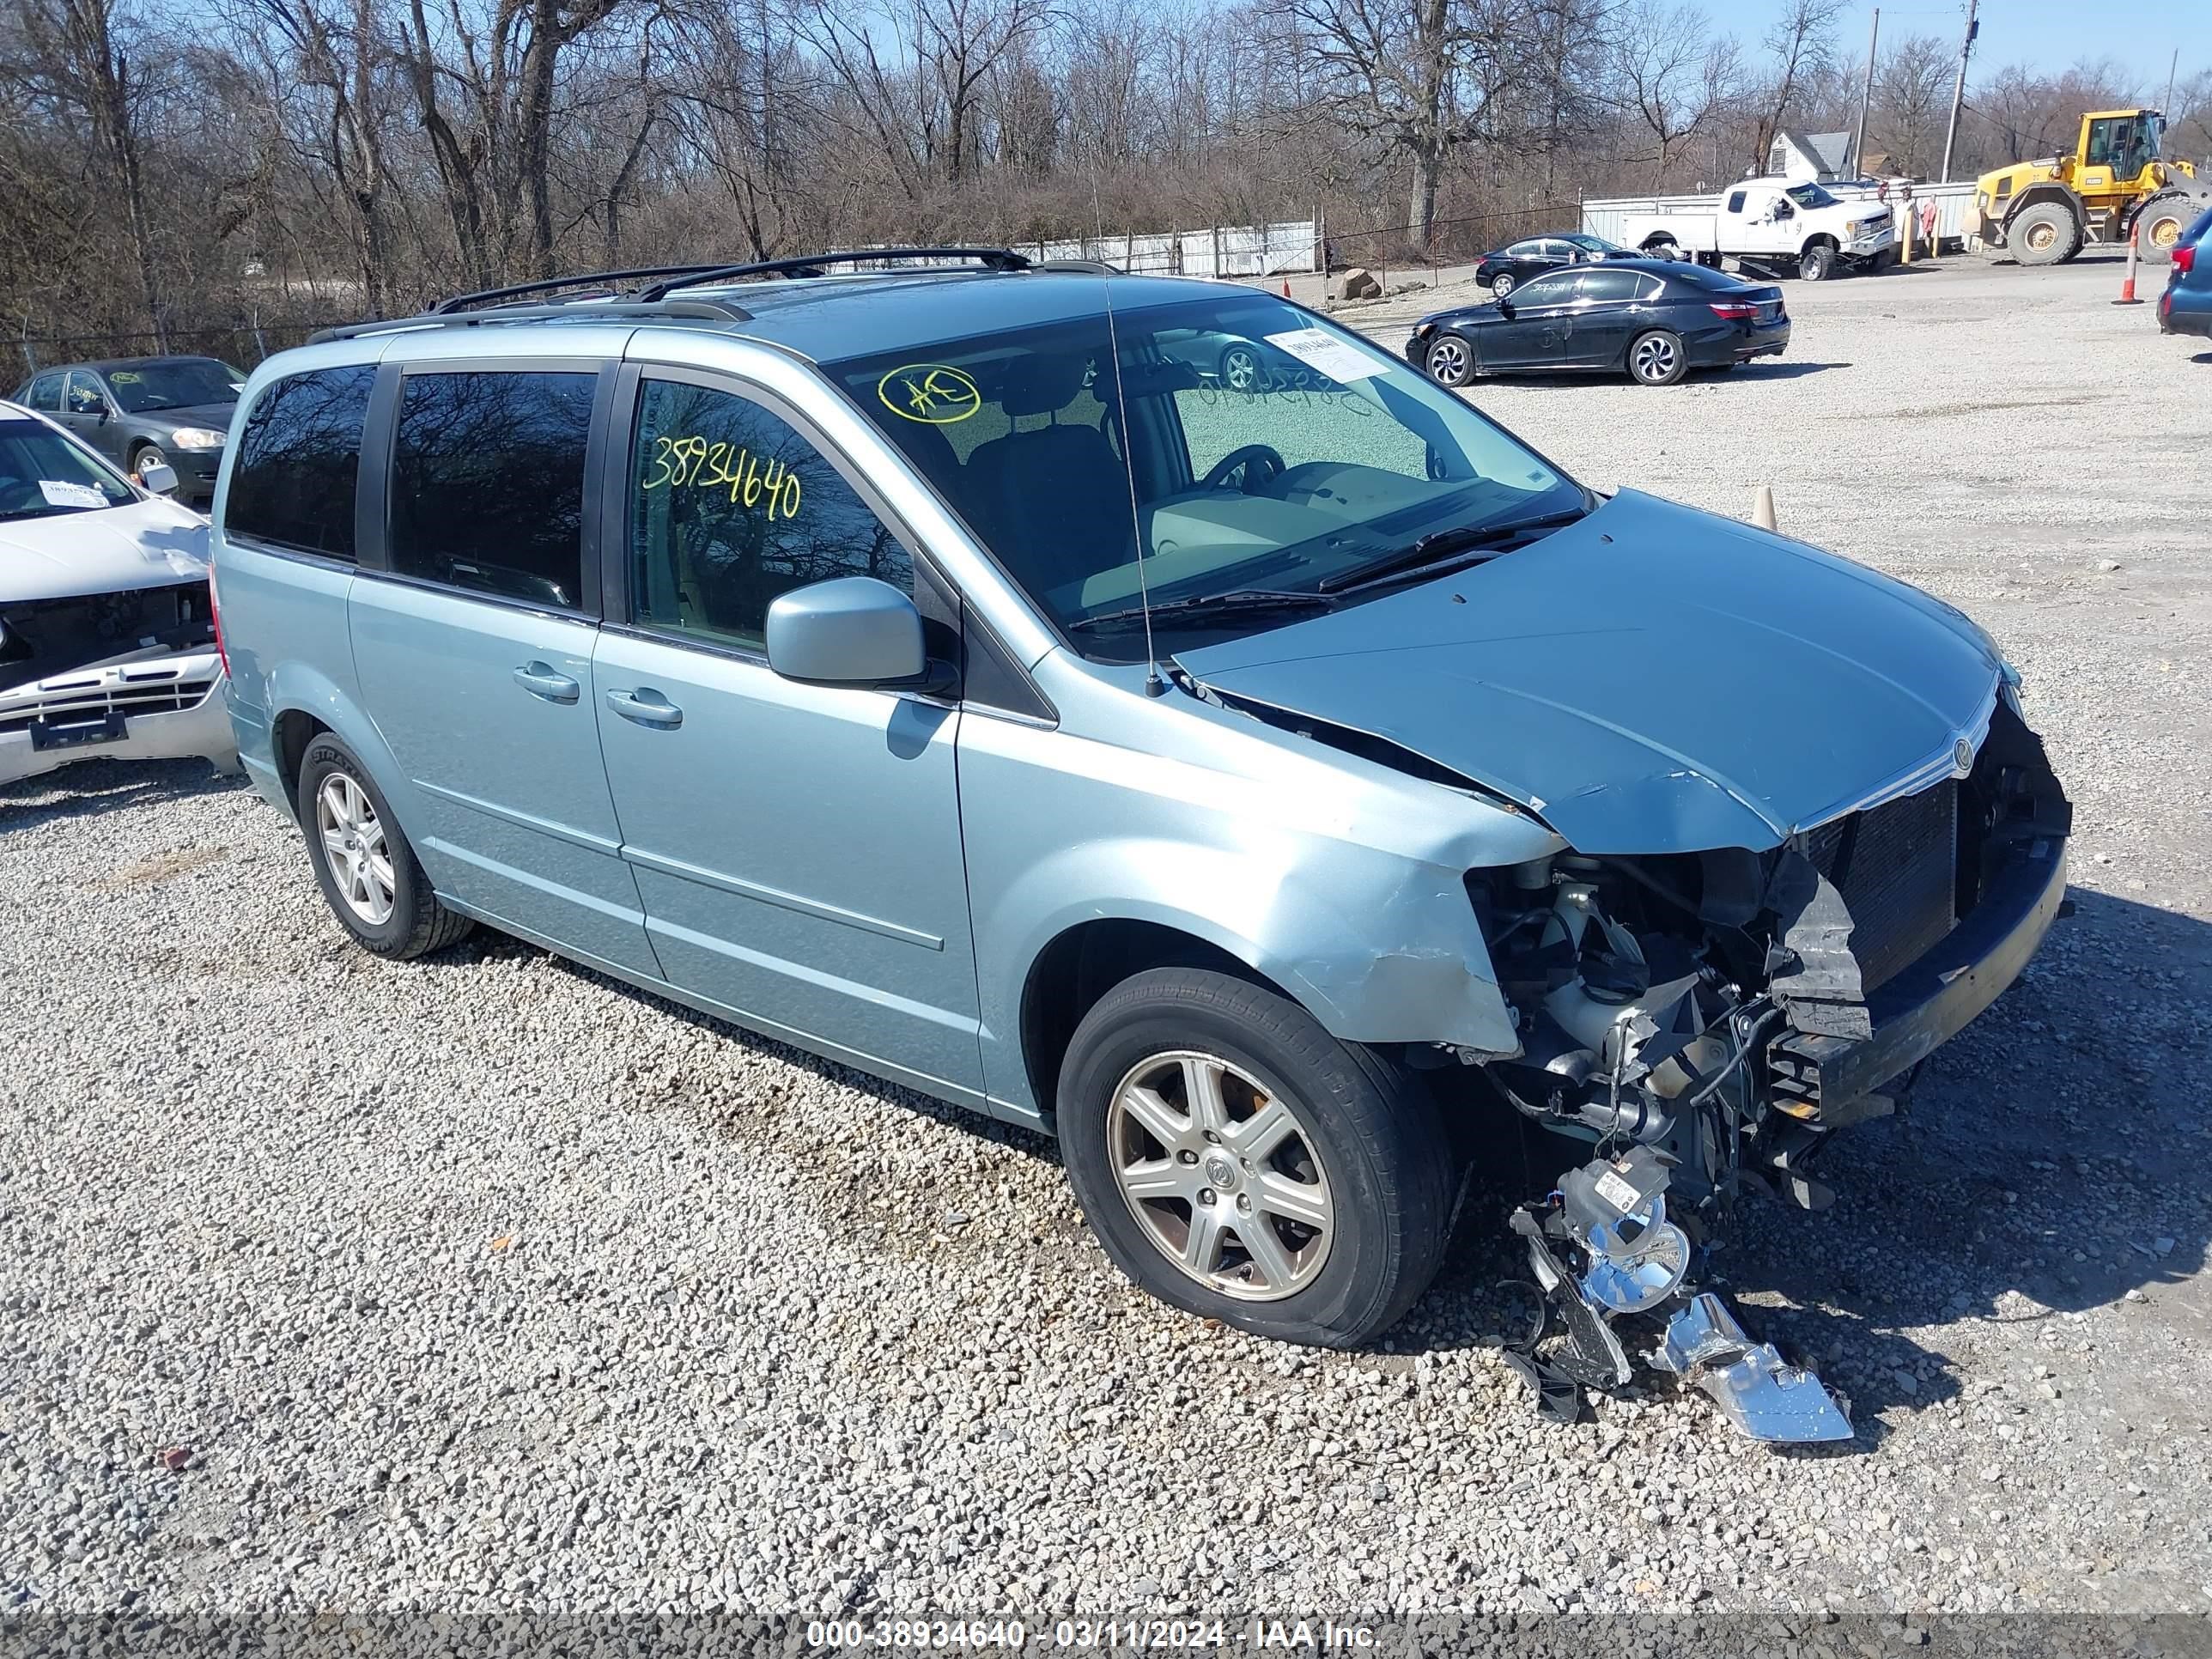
point(1281, 791)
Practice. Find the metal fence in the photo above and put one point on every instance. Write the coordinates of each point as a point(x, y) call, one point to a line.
point(240, 344)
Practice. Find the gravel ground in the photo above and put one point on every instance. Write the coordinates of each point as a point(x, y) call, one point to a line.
point(485, 1284)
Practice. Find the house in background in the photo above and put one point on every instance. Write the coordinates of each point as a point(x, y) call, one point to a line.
point(1808, 155)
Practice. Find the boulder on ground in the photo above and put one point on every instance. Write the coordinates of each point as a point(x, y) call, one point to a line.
point(1359, 283)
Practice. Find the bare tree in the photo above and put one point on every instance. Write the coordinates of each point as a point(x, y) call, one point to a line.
point(1674, 73)
point(1801, 44)
point(1912, 92)
point(1414, 78)
point(77, 59)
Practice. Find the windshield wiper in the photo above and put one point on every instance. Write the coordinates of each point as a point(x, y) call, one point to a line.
point(1203, 604)
point(1420, 558)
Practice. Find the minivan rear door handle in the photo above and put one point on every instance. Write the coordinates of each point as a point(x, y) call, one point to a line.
point(542, 680)
point(647, 706)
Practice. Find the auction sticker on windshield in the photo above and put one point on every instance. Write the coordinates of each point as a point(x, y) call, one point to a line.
point(1332, 357)
point(60, 493)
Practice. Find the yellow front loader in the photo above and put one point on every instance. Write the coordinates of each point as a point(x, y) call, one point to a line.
point(2115, 184)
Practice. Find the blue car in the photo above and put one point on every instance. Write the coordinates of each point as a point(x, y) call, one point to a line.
point(2185, 307)
point(1270, 793)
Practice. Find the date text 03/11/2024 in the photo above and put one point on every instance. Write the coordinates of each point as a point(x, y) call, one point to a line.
point(1146, 1635)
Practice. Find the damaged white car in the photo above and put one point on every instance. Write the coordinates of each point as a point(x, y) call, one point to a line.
point(107, 645)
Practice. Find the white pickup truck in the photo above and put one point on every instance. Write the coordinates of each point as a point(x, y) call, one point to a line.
point(1776, 224)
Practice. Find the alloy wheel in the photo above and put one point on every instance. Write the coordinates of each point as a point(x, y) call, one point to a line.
point(1240, 369)
point(1222, 1176)
point(354, 843)
point(1655, 358)
point(1502, 284)
point(1447, 361)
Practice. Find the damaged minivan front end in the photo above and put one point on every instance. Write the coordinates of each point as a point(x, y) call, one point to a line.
point(1708, 1022)
point(1793, 862)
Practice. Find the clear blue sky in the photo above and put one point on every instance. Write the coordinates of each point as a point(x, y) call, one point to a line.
point(2048, 33)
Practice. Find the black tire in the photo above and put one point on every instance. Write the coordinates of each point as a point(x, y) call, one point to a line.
point(1380, 1146)
point(418, 923)
point(1239, 370)
point(144, 456)
point(1450, 360)
point(1502, 284)
point(1660, 247)
point(1656, 358)
point(1817, 263)
point(2044, 233)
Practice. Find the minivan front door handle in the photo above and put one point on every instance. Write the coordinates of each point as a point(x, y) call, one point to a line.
point(647, 706)
point(542, 680)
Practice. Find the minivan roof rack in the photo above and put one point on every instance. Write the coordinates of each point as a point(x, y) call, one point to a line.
point(552, 284)
point(814, 265)
point(714, 311)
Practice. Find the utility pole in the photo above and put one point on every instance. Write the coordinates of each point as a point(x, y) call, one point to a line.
point(1866, 96)
point(1958, 87)
point(2171, 65)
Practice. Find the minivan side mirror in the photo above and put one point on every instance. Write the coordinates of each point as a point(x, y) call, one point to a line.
point(848, 631)
point(160, 478)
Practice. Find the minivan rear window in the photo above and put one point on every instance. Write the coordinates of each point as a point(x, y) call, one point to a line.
point(299, 457)
point(488, 483)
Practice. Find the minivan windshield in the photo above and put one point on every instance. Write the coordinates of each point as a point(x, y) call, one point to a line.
point(44, 475)
point(1271, 461)
point(175, 383)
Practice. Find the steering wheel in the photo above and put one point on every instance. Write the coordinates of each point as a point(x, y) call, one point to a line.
point(1244, 457)
point(21, 495)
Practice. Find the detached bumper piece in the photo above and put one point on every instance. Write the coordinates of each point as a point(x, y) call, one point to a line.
point(1612, 1213)
point(1765, 1397)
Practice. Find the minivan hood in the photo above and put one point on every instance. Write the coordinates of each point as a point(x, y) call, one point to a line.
point(1649, 679)
point(144, 543)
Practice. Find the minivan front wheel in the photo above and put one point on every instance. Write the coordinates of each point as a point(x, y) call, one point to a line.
point(1238, 1162)
point(363, 863)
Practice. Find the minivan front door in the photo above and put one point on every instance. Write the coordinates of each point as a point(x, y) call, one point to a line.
point(473, 647)
point(796, 846)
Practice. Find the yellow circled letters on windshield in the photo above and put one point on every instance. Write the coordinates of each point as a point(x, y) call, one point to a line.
point(936, 394)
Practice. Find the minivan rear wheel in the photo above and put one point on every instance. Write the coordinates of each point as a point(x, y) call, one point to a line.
point(1239, 1163)
point(363, 861)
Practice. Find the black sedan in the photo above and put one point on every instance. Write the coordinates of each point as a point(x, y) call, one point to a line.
point(1502, 271)
point(1652, 320)
point(146, 411)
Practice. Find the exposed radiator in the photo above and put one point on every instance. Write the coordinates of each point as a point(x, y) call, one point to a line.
point(1896, 866)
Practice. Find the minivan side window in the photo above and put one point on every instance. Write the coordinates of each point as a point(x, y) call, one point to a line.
point(488, 483)
point(299, 455)
point(729, 506)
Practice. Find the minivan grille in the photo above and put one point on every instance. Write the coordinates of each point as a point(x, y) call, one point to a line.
point(1896, 866)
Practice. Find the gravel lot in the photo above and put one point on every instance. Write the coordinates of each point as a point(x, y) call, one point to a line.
point(486, 1284)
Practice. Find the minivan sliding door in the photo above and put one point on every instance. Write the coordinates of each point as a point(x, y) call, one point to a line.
point(473, 624)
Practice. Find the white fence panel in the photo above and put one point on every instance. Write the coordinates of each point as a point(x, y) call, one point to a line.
point(1218, 251)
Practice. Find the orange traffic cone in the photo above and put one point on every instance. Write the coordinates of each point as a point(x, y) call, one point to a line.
point(1286, 287)
point(2128, 286)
